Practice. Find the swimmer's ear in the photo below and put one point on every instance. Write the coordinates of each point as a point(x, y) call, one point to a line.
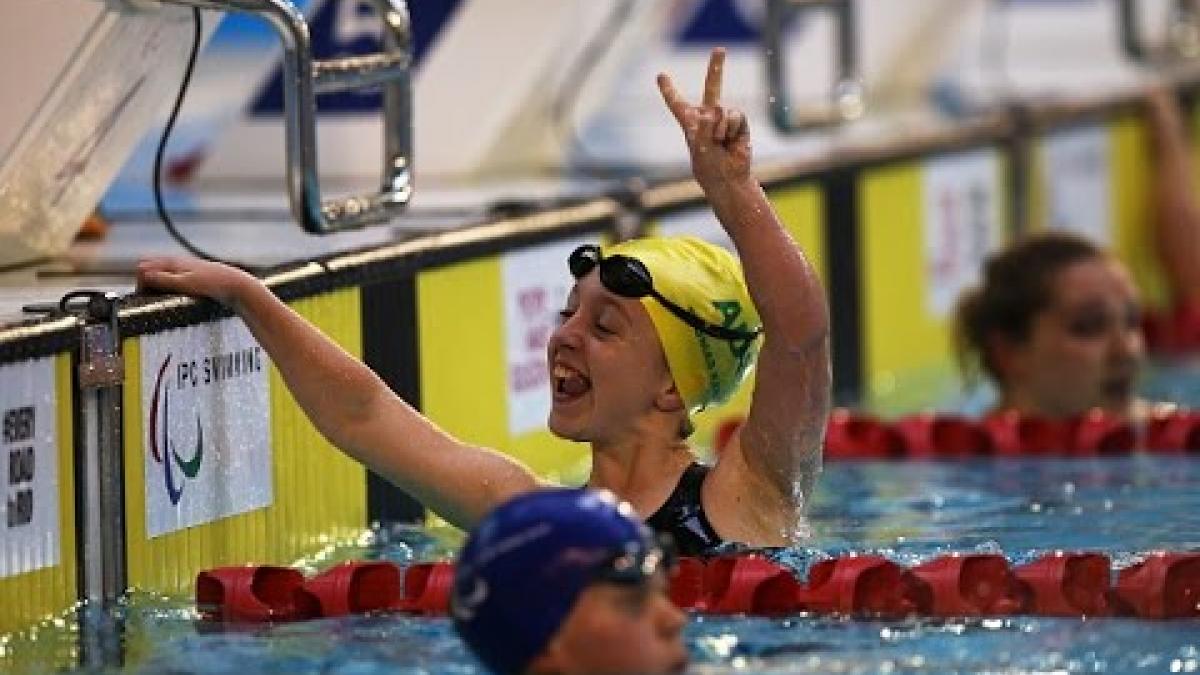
point(669, 399)
point(1004, 355)
point(549, 661)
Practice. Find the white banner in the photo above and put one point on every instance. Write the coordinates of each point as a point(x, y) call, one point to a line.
point(1079, 182)
point(535, 285)
point(206, 416)
point(29, 527)
point(962, 223)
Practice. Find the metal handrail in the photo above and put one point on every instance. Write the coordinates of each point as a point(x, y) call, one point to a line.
point(1020, 121)
point(847, 101)
point(304, 77)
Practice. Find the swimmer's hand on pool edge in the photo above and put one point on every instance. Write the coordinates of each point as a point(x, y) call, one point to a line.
point(192, 276)
point(347, 402)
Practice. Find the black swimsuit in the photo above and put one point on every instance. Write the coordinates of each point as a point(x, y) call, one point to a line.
point(682, 516)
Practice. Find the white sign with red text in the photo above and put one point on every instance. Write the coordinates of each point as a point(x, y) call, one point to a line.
point(535, 285)
point(29, 527)
point(962, 223)
point(207, 425)
point(1078, 182)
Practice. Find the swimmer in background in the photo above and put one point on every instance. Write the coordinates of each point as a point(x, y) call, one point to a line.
point(567, 581)
point(653, 331)
point(1056, 322)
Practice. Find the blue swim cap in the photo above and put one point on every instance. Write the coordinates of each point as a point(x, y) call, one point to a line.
point(525, 564)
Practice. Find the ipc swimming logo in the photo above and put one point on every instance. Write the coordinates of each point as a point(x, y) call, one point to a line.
point(161, 442)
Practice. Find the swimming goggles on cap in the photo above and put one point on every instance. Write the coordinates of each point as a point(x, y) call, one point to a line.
point(628, 277)
point(634, 567)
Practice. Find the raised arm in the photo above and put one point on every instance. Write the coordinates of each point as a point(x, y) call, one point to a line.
point(780, 444)
point(1178, 218)
point(348, 403)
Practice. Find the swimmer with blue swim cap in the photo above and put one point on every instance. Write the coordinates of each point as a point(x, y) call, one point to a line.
point(654, 330)
point(567, 581)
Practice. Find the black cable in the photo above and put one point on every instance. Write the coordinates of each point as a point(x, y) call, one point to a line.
point(159, 205)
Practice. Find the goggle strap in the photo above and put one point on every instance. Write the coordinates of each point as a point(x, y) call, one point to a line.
point(710, 329)
point(590, 256)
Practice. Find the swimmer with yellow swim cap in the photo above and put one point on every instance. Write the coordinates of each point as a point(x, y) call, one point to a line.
point(654, 330)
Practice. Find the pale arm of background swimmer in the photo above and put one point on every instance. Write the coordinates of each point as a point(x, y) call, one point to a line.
point(780, 444)
point(348, 403)
point(1178, 218)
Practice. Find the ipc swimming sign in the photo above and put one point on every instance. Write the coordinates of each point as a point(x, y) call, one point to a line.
point(206, 425)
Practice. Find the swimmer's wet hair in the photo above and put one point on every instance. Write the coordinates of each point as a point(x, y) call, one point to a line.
point(1017, 284)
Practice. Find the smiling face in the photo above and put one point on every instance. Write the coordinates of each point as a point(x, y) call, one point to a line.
point(618, 628)
point(607, 369)
point(1083, 350)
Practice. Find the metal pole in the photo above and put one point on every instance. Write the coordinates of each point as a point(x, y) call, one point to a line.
point(100, 374)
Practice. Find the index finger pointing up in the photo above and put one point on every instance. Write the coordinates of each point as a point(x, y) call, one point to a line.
point(674, 101)
point(712, 81)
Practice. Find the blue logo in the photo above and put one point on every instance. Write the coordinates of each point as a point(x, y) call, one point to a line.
point(160, 440)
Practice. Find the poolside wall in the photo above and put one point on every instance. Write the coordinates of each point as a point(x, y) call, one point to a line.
point(456, 322)
point(312, 494)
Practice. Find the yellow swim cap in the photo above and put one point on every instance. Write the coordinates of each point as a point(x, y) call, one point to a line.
point(707, 281)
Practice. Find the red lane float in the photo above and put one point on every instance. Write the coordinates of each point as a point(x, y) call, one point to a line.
point(687, 585)
point(354, 587)
point(1098, 433)
point(1009, 436)
point(250, 594)
point(730, 582)
point(1173, 432)
point(854, 436)
point(937, 436)
point(780, 595)
point(868, 585)
point(1066, 584)
point(1163, 586)
point(427, 588)
point(1166, 585)
point(978, 584)
point(1016, 434)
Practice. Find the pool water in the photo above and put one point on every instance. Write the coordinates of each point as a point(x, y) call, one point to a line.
point(906, 511)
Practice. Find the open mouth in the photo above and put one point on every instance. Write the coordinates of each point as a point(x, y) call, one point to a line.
point(569, 384)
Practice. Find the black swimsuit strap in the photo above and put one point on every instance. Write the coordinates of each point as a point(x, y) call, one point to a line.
point(683, 517)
